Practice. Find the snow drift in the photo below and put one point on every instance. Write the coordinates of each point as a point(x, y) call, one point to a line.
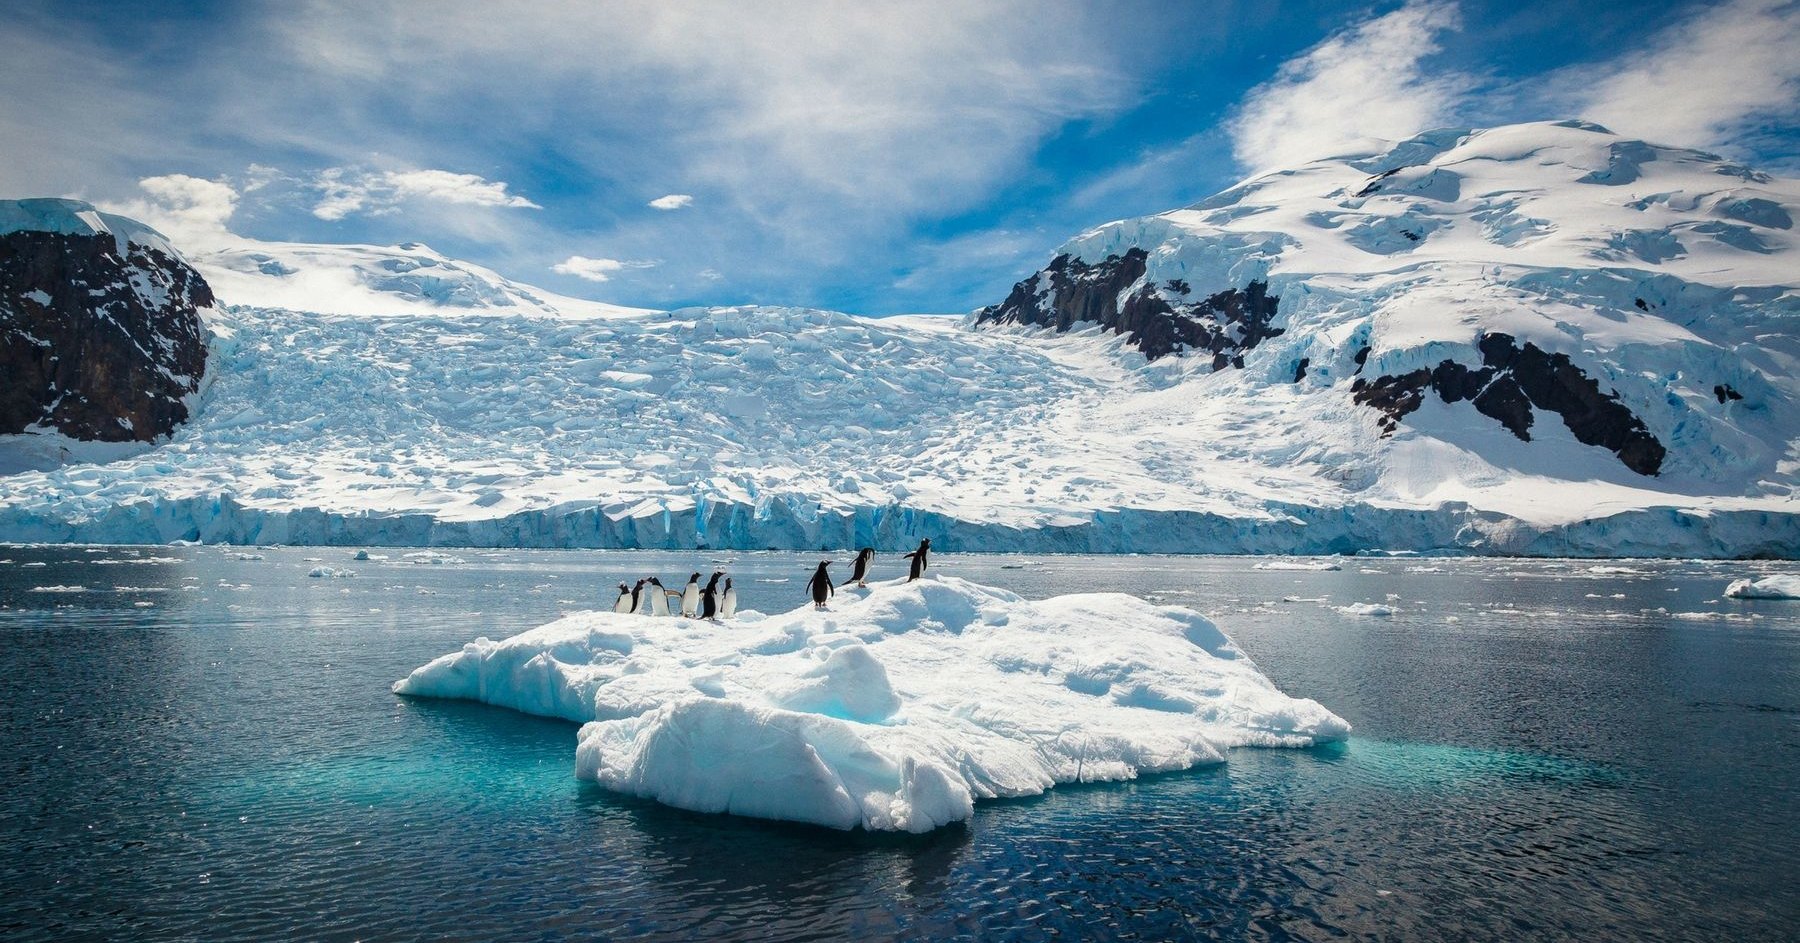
point(894, 711)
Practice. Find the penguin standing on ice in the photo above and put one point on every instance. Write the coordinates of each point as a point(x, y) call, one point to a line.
point(860, 575)
point(637, 594)
point(919, 560)
point(623, 603)
point(728, 602)
point(658, 603)
point(820, 585)
point(690, 597)
point(709, 597)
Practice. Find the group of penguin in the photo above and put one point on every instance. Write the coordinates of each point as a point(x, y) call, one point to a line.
point(820, 585)
point(649, 597)
point(697, 602)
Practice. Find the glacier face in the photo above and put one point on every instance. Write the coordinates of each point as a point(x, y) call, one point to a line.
point(895, 710)
point(1572, 304)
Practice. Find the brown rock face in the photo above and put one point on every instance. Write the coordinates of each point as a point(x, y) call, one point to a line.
point(1158, 319)
point(97, 345)
point(1511, 381)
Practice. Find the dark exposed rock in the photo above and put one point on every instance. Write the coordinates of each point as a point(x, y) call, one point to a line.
point(1724, 392)
point(1158, 322)
point(1510, 383)
point(99, 338)
point(1300, 369)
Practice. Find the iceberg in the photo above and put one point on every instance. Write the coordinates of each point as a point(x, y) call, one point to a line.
point(1768, 587)
point(895, 710)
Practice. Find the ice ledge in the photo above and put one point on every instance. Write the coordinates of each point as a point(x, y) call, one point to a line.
point(895, 710)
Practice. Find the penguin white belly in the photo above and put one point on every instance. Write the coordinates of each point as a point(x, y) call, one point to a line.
point(623, 604)
point(659, 602)
point(729, 607)
point(690, 601)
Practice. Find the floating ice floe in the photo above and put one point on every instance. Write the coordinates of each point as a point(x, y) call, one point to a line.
point(330, 572)
point(1366, 609)
point(1313, 565)
point(1768, 587)
point(894, 710)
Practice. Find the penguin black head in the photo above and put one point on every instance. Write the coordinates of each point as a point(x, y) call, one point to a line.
point(925, 543)
point(655, 582)
point(640, 584)
point(694, 579)
point(623, 588)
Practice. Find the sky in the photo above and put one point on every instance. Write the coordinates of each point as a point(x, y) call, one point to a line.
point(875, 158)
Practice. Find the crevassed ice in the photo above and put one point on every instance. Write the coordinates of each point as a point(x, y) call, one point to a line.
point(894, 711)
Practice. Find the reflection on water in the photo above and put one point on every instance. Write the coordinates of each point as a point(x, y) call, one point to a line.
point(205, 747)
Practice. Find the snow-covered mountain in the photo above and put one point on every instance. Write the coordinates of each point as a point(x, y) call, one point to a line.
point(376, 281)
point(1535, 339)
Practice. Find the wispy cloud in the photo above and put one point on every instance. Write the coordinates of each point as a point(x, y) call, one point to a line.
point(673, 201)
point(1370, 81)
point(1704, 82)
point(595, 270)
point(344, 192)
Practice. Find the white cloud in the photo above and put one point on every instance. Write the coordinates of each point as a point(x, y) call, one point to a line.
point(673, 201)
point(1702, 81)
point(1366, 82)
point(189, 210)
point(899, 105)
point(343, 192)
point(595, 270)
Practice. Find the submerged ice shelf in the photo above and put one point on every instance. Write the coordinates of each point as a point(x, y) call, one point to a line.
point(893, 711)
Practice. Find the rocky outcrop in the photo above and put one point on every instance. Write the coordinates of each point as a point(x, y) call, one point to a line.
point(100, 332)
point(1158, 319)
point(1510, 383)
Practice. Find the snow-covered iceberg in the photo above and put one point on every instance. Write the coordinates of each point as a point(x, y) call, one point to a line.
point(1768, 587)
point(893, 711)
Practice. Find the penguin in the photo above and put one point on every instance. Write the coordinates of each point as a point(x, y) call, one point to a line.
point(728, 602)
point(659, 598)
point(709, 598)
point(623, 603)
point(637, 594)
point(820, 585)
point(918, 558)
point(861, 573)
point(690, 597)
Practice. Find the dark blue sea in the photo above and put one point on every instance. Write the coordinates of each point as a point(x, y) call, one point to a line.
point(203, 747)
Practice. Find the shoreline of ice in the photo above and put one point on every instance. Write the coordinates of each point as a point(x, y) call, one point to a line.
point(895, 711)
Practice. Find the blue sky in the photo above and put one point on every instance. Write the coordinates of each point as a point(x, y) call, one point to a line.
point(868, 157)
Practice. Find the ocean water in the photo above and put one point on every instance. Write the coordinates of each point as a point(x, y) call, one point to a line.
point(199, 746)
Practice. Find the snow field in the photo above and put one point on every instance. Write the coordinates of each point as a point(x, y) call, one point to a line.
point(895, 710)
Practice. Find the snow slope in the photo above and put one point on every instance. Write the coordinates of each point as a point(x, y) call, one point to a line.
point(1661, 279)
point(893, 711)
point(376, 281)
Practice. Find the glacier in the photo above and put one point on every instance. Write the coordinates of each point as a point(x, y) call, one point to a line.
point(894, 711)
point(1353, 402)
